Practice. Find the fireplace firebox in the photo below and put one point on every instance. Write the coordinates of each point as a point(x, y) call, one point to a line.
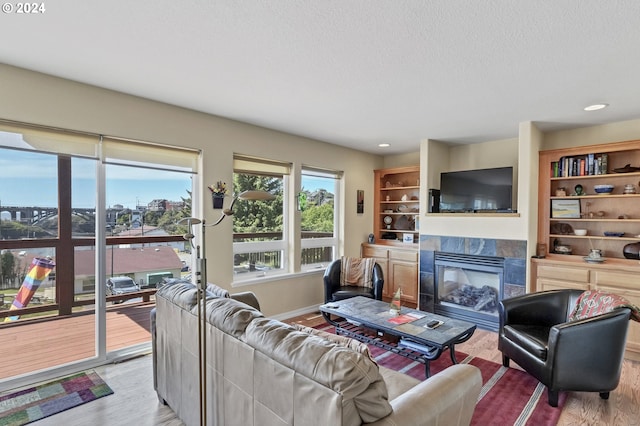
point(469, 287)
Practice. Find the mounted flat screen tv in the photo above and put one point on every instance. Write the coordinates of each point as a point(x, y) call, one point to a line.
point(475, 191)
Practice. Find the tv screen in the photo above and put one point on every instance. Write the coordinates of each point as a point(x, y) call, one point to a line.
point(485, 190)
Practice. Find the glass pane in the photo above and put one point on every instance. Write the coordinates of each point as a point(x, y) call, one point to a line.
point(29, 195)
point(317, 256)
point(83, 197)
point(258, 220)
point(147, 202)
point(258, 263)
point(27, 279)
point(316, 202)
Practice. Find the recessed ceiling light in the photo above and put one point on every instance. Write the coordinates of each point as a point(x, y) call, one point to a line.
point(595, 107)
point(384, 145)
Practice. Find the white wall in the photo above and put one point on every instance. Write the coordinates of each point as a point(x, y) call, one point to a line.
point(592, 135)
point(46, 100)
point(439, 157)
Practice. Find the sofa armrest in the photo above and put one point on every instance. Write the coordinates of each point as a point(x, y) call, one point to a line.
point(447, 398)
point(248, 298)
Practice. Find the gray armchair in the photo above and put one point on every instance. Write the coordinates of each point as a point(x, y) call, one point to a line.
point(583, 355)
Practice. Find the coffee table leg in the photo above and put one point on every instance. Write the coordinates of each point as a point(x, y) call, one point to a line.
point(427, 370)
point(452, 353)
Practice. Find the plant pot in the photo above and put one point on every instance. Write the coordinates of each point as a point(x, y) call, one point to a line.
point(218, 201)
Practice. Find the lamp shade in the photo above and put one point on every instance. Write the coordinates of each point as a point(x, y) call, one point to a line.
point(256, 195)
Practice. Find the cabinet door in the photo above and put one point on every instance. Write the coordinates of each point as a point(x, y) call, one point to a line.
point(387, 288)
point(633, 335)
point(405, 276)
point(626, 285)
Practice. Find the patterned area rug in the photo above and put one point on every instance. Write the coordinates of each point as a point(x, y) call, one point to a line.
point(508, 397)
point(41, 401)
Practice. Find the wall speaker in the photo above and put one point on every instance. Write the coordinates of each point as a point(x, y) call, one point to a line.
point(434, 201)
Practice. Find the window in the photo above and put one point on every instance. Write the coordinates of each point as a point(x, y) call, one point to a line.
point(259, 227)
point(50, 207)
point(318, 205)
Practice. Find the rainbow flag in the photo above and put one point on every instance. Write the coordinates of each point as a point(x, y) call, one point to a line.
point(40, 269)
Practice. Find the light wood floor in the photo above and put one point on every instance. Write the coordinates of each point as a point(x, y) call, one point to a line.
point(135, 402)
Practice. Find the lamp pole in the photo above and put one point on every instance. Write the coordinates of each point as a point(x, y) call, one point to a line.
point(201, 286)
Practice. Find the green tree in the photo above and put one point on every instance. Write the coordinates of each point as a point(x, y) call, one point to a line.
point(7, 267)
point(318, 218)
point(258, 216)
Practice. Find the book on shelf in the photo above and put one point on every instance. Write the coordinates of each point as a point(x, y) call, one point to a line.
point(582, 165)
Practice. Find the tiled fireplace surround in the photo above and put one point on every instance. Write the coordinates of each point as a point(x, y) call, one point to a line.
point(514, 253)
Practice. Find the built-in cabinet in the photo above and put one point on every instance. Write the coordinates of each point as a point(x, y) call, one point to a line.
point(397, 204)
point(400, 269)
point(617, 276)
point(568, 202)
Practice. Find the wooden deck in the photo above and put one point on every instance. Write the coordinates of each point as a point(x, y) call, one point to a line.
point(37, 345)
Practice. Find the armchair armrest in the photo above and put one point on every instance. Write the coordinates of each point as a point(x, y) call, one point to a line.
point(595, 345)
point(448, 397)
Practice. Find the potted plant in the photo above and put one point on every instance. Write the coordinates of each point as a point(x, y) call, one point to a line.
point(218, 191)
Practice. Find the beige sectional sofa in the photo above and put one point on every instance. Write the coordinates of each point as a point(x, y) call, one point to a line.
point(263, 372)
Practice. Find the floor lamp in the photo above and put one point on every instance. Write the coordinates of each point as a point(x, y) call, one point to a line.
point(201, 285)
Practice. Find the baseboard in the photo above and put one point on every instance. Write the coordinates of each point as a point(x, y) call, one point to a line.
point(296, 313)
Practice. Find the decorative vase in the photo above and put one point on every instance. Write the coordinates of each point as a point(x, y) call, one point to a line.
point(218, 200)
point(631, 251)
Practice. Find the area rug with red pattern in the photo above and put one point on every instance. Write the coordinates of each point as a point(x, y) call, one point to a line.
point(508, 396)
point(35, 403)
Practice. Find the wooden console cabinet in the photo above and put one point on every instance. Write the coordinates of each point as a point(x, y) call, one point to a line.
point(614, 275)
point(400, 269)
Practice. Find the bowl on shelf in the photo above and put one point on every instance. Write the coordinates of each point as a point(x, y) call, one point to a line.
point(613, 234)
point(563, 249)
point(603, 189)
point(580, 232)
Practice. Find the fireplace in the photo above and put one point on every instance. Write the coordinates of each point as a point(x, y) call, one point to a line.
point(469, 272)
point(469, 287)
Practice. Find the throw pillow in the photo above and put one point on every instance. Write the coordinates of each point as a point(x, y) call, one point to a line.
point(596, 302)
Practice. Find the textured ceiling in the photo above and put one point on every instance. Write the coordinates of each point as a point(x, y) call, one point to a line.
point(353, 73)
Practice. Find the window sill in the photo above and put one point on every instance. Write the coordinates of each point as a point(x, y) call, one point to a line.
point(279, 277)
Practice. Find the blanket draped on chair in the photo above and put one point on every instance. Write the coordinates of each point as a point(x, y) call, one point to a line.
point(357, 271)
point(595, 302)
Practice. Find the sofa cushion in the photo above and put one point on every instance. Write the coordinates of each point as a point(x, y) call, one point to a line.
point(181, 293)
point(340, 340)
point(229, 315)
point(348, 372)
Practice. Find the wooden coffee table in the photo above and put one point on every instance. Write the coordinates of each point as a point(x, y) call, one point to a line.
point(369, 321)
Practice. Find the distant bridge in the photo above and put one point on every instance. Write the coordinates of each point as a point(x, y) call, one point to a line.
point(33, 214)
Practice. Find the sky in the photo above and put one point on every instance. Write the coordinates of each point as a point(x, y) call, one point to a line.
point(36, 183)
